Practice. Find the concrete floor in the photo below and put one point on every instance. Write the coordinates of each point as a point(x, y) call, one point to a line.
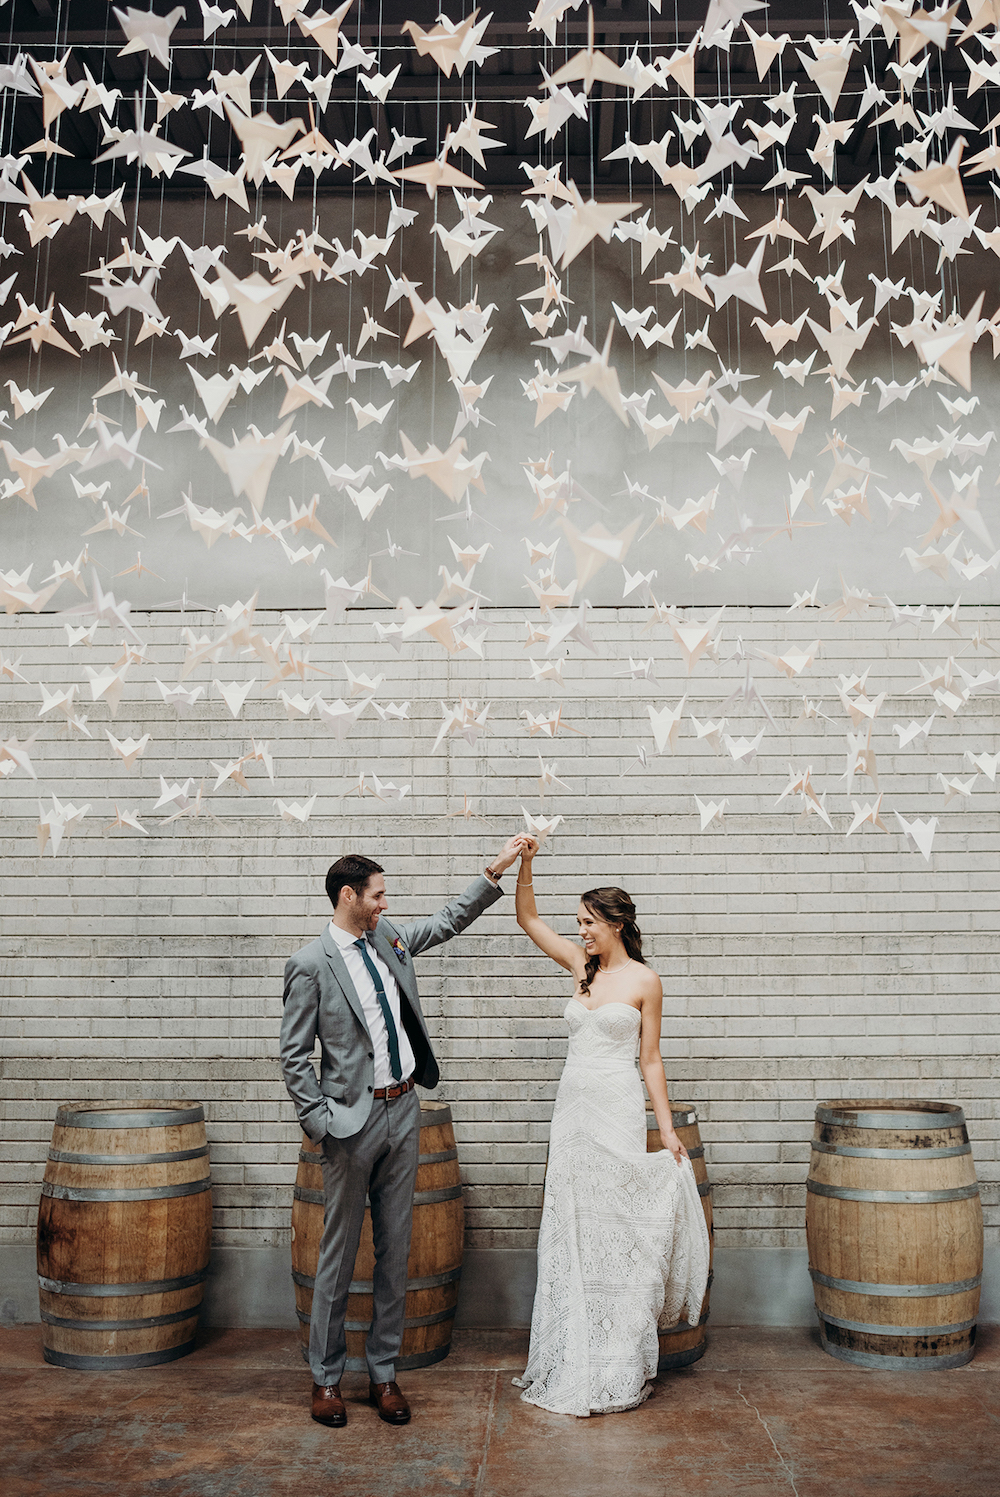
point(764, 1414)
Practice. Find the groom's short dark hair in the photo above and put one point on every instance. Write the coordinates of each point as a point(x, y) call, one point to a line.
point(353, 870)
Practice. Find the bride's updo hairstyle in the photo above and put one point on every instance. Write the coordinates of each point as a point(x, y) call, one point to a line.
point(613, 906)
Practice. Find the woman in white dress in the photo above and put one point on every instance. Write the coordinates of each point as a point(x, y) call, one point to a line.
point(622, 1248)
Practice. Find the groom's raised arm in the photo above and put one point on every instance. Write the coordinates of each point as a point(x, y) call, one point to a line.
point(459, 913)
point(452, 918)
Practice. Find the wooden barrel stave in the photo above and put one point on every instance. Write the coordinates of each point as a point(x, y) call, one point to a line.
point(686, 1343)
point(124, 1233)
point(837, 1239)
point(894, 1227)
point(434, 1264)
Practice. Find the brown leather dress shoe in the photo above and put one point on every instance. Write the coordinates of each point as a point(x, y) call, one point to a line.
point(328, 1406)
point(391, 1405)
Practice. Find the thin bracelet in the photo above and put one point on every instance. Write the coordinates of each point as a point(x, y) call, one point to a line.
point(524, 883)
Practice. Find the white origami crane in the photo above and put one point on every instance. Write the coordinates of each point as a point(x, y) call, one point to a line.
point(58, 823)
point(129, 750)
point(867, 813)
point(465, 720)
point(711, 811)
point(14, 755)
point(293, 811)
point(541, 827)
point(666, 725)
point(147, 32)
point(125, 819)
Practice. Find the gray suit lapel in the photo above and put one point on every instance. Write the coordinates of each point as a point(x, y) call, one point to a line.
point(402, 971)
point(339, 969)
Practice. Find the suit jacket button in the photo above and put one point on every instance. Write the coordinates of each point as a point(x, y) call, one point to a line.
point(371, 1055)
point(369, 1088)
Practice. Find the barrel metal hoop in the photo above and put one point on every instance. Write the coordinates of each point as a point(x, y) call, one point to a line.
point(366, 1286)
point(410, 1321)
point(176, 1156)
point(684, 1117)
point(122, 1291)
point(116, 1364)
point(879, 1363)
point(67, 1324)
point(698, 1152)
point(423, 1358)
point(846, 1118)
point(431, 1281)
point(673, 1359)
point(311, 1156)
point(314, 1197)
point(440, 1158)
point(149, 1193)
point(684, 1325)
point(876, 1328)
point(894, 1197)
point(705, 1187)
point(433, 1117)
point(915, 1154)
point(896, 1291)
point(431, 1197)
point(420, 1197)
point(167, 1118)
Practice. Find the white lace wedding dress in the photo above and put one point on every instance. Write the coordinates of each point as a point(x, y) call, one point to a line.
point(623, 1246)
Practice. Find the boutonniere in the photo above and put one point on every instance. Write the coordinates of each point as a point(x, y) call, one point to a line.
point(399, 949)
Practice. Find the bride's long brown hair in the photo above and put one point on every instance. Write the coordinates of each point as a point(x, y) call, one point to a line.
point(614, 906)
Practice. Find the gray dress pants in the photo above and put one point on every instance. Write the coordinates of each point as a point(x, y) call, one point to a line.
point(379, 1162)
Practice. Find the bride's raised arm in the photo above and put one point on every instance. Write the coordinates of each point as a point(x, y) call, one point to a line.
point(565, 952)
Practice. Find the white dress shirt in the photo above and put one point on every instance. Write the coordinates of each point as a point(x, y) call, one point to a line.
point(365, 989)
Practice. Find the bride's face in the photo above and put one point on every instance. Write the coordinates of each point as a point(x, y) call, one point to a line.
point(598, 937)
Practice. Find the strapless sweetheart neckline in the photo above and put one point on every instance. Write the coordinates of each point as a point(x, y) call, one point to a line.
point(613, 1003)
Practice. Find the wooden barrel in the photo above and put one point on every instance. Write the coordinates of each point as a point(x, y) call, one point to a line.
point(124, 1228)
point(685, 1343)
point(895, 1232)
point(435, 1263)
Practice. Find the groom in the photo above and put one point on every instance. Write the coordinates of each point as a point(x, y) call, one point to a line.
point(354, 988)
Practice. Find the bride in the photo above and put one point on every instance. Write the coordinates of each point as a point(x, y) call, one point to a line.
point(622, 1247)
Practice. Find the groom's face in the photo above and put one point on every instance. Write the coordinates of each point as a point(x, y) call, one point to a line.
point(370, 903)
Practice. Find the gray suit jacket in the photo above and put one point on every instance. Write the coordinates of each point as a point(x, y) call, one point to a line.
point(321, 1001)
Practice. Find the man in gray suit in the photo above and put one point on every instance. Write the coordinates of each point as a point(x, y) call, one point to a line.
point(354, 988)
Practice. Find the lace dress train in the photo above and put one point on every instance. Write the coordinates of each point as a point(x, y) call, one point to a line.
point(622, 1247)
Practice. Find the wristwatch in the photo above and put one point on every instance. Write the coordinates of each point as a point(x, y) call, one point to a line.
point(495, 874)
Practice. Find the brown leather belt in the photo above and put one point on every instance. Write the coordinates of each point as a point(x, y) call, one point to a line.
point(398, 1090)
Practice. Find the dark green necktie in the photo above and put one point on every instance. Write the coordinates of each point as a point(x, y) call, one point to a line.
point(390, 1027)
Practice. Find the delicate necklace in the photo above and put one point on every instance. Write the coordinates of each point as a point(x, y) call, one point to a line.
point(608, 970)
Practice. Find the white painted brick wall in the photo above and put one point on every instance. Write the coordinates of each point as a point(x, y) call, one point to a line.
point(796, 965)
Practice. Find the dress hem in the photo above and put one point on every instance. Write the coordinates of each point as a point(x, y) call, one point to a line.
point(613, 1408)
